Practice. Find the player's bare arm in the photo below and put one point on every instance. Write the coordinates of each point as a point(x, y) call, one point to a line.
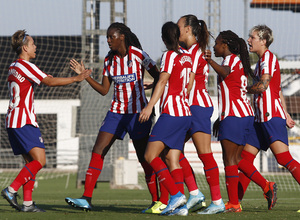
point(261, 85)
point(223, 71)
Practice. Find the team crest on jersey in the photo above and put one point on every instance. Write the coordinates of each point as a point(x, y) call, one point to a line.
point(41, 139)
point(129, 63)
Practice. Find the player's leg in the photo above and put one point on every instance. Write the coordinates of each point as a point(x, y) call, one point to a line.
point(229, 149)
point(26, 141)
point(202, 142)
point(102, 145)
point(284, 158)
point(249, 153)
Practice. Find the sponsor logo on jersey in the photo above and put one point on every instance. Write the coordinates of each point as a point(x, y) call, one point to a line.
point(124, 78)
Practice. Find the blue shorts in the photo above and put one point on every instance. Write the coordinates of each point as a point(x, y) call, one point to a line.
point(271, 131)
point(201, 119)
point(22, 140)
point(238, 130)
point(171, 130)
point(120, 124)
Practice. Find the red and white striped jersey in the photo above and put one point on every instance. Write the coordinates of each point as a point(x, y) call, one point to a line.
point(127, 73)
point(268, 104)
point(199, 94)
point(174, 99)
point(232, 90)
point(22, 76)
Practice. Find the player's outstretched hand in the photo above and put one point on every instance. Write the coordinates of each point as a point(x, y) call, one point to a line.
point(77, 67)
point(85, 74)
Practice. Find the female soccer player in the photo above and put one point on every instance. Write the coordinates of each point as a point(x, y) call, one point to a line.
point(124, 65)
point(194, 34)
point(22, 128)
point(175, 119)
point(236, 116)
point(271, 116)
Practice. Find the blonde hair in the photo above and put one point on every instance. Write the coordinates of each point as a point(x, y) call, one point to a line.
point(264, 33)
point(19, 39)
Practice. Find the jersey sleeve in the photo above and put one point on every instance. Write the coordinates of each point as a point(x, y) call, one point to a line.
point(32, 72)
point(167, 62)
point(267, 65)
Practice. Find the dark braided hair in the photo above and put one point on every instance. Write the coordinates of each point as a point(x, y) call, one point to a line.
point(238, 46)
point(170, 34)
point(130, 38)
point(199, 30)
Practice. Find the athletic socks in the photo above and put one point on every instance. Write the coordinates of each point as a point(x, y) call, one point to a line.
point(232, 179)
point(164, 194)
point(164, 175)
point(150, 178)
point(188, 174)
point(251, 172)
point(177, 176)
point(243, 179)
point(27, 191)
point(92, 174)
point(28, 172)
point(212, 175)
point(285, 159)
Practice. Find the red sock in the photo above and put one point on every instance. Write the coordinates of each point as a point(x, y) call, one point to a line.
point(251, 172)
point(188, 174)
point(150, 178)
point(212, 175)
point(27, 190)
point(164, 175)
point(232, 179)
point(285, 159)
point(28, 172)
point(164, 194)
point(92, 174)
point(243, 179)
point(177, 176)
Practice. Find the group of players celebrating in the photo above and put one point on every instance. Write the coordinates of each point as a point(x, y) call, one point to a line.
point(185, 112)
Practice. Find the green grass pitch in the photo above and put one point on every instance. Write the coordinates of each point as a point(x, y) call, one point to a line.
point(123, 204)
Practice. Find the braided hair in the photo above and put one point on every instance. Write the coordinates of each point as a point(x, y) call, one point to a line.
point(130, 38)
point(238, 46)
point(170, 34)
point(199, 30)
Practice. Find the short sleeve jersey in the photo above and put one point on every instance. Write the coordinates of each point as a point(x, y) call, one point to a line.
point(199, 94)
point(232, 90)
point(127, 73)
point(268, 104)
point(22, 77)
point(174, 100)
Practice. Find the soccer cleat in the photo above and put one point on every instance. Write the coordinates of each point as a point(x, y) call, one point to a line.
point(181, 211)
point(175, 201)
point(157, 208)
point(232, 208)
point(271, 194)
point(11, 198)
point(80, 203)
point(195, 203)
point(152, 204)
point(213, 209)
point(31, 208)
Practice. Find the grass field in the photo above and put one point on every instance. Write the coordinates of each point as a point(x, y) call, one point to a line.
point(124, 204)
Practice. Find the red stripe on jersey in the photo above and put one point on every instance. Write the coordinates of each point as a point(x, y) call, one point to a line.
point(199, 94)
point(232, 90)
